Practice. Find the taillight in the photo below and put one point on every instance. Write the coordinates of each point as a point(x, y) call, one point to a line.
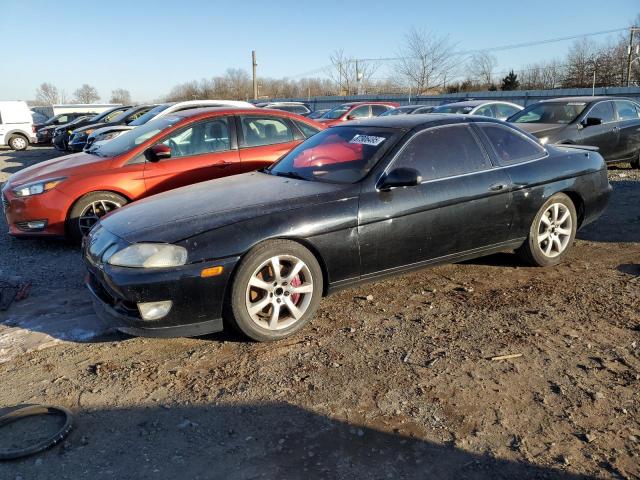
point(33, 128)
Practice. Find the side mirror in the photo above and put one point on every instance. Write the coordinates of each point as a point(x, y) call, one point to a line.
point(351, 117)
point(400, 177)
point(157, 152)
point(592, 121)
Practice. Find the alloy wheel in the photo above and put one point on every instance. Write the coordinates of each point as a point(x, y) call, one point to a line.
point(93, 212)
point(554, 230)
point(18, 143)
point(279, 292)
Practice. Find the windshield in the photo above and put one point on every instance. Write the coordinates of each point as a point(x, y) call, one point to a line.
point(336, 112)
point(397, 111)
point(555, 112)
point(337, 155)
point(464, 109)
point(131, 139)
point(149, 115)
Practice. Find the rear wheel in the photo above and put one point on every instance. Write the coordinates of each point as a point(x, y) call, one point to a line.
point(276, 291)
point(18, 142)
point(552, 232)
point(86, 212)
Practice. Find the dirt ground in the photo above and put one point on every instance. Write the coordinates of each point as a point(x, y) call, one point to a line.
point(392, 380)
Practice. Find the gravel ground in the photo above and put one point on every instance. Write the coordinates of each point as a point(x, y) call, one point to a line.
point(393, 379)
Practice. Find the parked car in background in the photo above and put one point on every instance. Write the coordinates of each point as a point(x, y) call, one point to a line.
point(105, 134)
point(486, 108)
point(38, 118)
point(16, 125)
point(61, 134)
point(355, 111)
point(356, 202)
point(67, 195)
point(318, 113)
point(45, 131)
point(611, 124)
point(408, 109)
point(293, 107)
point(79, 136)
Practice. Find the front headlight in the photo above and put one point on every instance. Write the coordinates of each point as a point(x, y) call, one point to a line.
point(107, 136)
point(36, 188)
point(544, 140)
point(149, 255)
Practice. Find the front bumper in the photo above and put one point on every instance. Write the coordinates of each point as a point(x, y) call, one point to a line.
point(197, 302)
point(50, 206)
point(76, 144)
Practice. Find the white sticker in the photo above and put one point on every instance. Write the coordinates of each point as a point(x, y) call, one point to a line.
point(367, 140)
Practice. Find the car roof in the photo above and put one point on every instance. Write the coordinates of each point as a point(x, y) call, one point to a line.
point(584, 99)
point(413, 121)
point(204, 112)
point(368, 103)
point(474, 103)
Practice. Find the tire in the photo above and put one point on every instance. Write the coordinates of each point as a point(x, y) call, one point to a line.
point(18, 142)
point(94, 205)
point(544, 251)
point(636, 163)
point(270, 292)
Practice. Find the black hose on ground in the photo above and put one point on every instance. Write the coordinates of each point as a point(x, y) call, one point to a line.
point(32, 410)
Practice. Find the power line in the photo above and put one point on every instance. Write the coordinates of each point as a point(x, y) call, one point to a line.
point(468, 52)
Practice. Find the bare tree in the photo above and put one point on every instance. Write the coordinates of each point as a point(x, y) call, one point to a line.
point(425, 60)
point(47, 94)
point(350, 75)
point(581, 61)
point(482, 66)
point(120, 95)
point(86, 94)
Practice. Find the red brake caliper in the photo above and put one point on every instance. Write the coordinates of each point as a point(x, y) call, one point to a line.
point(296, 282)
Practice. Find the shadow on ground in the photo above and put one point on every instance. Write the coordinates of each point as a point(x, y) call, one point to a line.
point(271, 440)
point(17, 160)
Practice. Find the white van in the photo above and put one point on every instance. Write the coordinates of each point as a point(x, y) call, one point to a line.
point(16, 125)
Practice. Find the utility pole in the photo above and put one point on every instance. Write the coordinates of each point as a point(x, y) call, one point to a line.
point(358, 78)
point(632, 30)
point(255, 79)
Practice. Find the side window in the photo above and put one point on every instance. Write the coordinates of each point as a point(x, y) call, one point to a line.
point(626, 110)
point(63, 119)
point(201, 138)
point(137, 115)
point(378, 109)
point(510, 146)
point(360, 112)
point(259, 131)
point(443, 152)
point(505, 111)
point(603, 111)
point(112, 115)
point(307, 130)
point(485, 111)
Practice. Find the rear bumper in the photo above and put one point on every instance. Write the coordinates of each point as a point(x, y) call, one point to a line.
point(197, 302)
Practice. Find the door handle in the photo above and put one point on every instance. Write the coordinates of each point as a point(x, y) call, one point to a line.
point(496, 187)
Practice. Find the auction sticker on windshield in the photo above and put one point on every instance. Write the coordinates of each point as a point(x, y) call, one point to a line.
point(367, 140)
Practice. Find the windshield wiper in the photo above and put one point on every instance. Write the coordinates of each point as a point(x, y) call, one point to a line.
point(295, 175)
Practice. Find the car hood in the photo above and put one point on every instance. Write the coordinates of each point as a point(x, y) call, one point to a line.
point(84, 128)
point(57, 167)
point(540, 129)
point(184, 212)
point(111, 128)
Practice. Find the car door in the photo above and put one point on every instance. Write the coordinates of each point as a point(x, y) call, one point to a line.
point(263, 139)
point(517, 154)
point(604, 136)
point(629, 124)
point(363, 111)
point(461, 205)
point(201, 151)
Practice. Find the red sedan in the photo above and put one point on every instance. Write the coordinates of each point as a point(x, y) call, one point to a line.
point(355, 111)
point(67, 195)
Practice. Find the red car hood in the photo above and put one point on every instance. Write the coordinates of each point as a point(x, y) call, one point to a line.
point(57, 167)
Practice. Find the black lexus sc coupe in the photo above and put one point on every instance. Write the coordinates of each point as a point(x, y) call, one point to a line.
point(353, 203)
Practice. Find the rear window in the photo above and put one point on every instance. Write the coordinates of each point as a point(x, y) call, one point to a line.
point(510, 146)
point(307, 130)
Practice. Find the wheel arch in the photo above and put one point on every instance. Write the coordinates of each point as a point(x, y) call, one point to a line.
point(107, 190)
point(578, 202)
point(13, 133)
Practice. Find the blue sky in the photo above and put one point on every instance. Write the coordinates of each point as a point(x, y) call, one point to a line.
point(149, 46)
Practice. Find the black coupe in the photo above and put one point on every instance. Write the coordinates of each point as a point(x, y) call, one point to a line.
point(611, 124)
point(353, 203)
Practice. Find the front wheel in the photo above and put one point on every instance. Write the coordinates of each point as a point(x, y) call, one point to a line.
point(552, 232)
point(276, 291)
point(86, 212)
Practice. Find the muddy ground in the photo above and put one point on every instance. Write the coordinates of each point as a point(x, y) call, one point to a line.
point(392, 380)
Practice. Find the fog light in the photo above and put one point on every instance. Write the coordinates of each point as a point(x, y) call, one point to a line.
point(32, 225)
point(154, 310)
